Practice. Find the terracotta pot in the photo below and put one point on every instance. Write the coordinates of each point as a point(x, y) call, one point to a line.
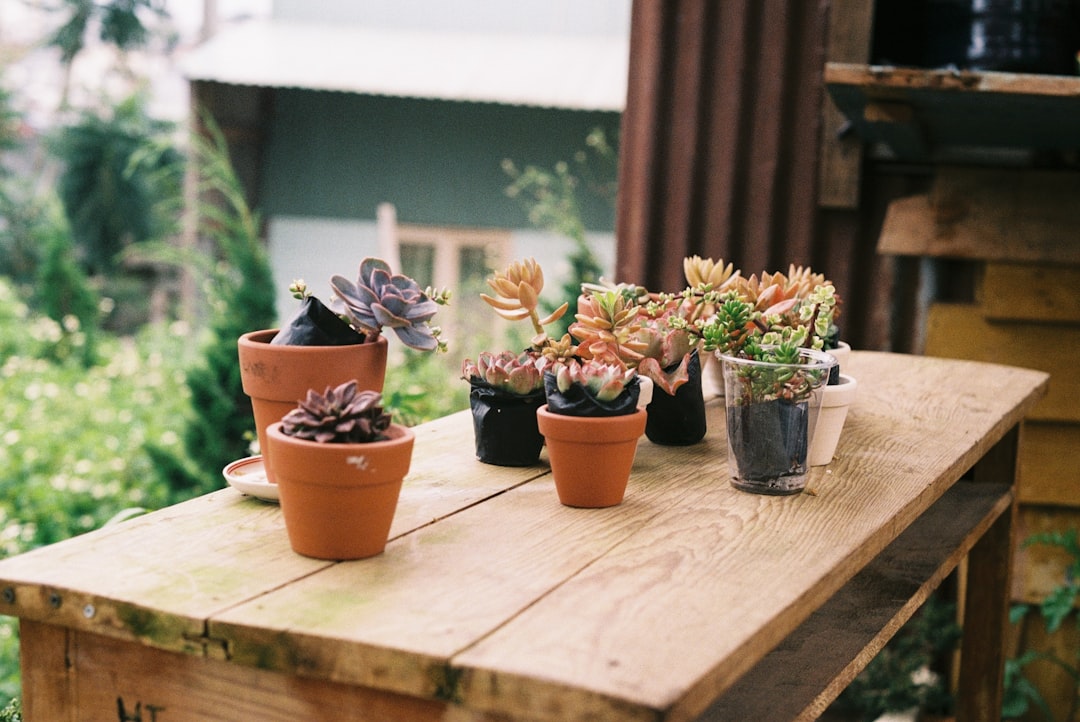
point(835, 401)
point(277, 377)
point(339, 499)
point(591, 457)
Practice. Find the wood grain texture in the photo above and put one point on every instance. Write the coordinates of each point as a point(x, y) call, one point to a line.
point(495, 597)
point(959, 330)
point(1049, 474)
point(132, 581)
point(995, 215)
point(1039, 292)
point(796, 680)
point(1014, 110)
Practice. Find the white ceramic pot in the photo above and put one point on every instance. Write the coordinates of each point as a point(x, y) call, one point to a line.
point(834, 407)
point(842, 353)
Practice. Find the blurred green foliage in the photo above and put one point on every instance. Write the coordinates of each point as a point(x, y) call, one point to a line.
point(72, 438)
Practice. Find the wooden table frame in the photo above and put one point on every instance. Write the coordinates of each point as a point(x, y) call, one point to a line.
point(493, 602)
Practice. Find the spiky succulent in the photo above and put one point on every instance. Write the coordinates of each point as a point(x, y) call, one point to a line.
point(603, 380)
point(341, 415)
point(520, 374)
point(381, 299)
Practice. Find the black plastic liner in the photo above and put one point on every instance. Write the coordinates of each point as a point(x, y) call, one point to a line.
point(504, 425)
point(678, 420)
point(314, 324)
point(577, 401)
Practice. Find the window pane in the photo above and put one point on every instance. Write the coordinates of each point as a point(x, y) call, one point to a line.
point(418, 262)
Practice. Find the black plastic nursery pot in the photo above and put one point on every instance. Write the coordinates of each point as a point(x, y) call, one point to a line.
point(768, 441)
point(679, 419)
point(505, 426)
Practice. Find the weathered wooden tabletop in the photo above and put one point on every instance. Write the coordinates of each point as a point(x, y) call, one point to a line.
point(494, 597)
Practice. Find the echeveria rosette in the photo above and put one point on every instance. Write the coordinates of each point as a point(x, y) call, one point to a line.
point(604, 381)
point(518, 374)
point(382, 299)
point(342, 414)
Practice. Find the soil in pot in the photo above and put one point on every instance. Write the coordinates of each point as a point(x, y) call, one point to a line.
point(768, 444)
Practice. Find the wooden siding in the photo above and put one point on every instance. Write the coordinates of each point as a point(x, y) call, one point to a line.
point(721, 156)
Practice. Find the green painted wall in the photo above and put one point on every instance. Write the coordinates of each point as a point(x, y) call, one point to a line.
point(339, 155)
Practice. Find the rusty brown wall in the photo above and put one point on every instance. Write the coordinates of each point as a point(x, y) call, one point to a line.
point(719, 157)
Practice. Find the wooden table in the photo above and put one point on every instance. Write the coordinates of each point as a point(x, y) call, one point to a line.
point(494, 602)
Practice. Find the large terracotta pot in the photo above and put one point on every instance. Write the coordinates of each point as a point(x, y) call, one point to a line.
point(277, 377)
point(591, 457)
point(339, 499)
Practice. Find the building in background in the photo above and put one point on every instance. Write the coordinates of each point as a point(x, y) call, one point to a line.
point(334, 110)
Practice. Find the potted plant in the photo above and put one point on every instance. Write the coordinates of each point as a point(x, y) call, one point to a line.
point(591, 423)
point(706, 281)
point(339, 462)
point(320, 347)
point(773, 369)
point(648, 333)
point(506, 388)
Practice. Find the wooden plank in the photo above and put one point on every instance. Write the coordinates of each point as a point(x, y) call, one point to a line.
point(519, 605)
point(1055, 684)
point(960, 331)
point(1040, 568)
point(986, 595)
point(137, 682)
point(715, 591)
point(132, 581)
point(990, 214)
point(859, 620)
point(47, 680)
point(964, 109)
point(1049, 474)
point(1044, 293)
point(840, 169)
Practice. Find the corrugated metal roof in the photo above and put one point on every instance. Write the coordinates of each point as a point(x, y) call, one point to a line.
point(576, 72)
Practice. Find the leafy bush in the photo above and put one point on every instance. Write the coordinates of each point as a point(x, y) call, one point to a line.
point(1059, 605)
point(72, 439)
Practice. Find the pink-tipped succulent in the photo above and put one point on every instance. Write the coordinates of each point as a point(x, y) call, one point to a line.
point(381, 299)
point(603, 380)
point(341, 415)
point(520, 374)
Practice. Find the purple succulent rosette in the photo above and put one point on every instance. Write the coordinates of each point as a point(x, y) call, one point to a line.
point(382, 299)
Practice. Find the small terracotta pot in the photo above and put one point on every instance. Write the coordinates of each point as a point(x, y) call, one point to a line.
point(591, 457)
point(277, 377)
point(339, 499)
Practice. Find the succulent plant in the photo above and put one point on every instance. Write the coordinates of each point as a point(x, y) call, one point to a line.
point(517, 297)
point(707, 272)
point(740, 329)
point(607, 328)
point(519, 374)
point(380, 298)
point(341, 415)
point(605, 381)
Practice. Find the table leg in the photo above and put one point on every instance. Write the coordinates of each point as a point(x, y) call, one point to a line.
point(986, 606)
